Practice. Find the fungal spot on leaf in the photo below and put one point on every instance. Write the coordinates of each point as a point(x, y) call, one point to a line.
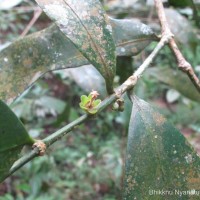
point(188, 158)
point(145, 29)
point(158, 118)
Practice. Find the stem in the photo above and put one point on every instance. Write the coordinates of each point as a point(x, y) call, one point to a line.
point(22, 161)
point(36, 15)
point(63, 131)
point(150, 58)
point(183, 64)
point(127, 85)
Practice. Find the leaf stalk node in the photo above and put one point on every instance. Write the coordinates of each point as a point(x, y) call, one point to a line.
point(41, 146)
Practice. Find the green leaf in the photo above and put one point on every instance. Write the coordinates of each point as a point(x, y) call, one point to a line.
point(136, 37)
point(12, 131)
point(84, 99)
point(159, 158)
point(177, 80)
point(96, 102)
point(24, 61)
point(86, 25)
point(7, 159)
point(13, 137)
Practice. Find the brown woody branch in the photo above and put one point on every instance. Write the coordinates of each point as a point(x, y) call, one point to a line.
point(36, 15)
point(183, 64)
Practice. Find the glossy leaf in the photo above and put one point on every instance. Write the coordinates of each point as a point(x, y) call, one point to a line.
point(86, 25)
point(177, 80)
point(159, 158)
point(27, 59)
point(13, 137)
point(181, 27)
point(131, 45)
point(7, 159)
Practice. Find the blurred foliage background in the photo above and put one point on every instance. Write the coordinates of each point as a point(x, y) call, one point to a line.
point(88, 163)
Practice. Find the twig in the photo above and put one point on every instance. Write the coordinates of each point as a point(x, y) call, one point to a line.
point(182, 63)
point(127, 85)
point(36, 15)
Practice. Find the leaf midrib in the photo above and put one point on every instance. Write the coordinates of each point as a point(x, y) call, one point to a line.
point(94, 44)
point(155, 148)
point(134, 41)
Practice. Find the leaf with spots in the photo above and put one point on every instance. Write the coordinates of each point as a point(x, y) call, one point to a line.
point(25, 60)
point(86, 25)
point(13, 136)
point(158, 157)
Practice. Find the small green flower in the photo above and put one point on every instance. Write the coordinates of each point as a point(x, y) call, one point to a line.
point(90, 103)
